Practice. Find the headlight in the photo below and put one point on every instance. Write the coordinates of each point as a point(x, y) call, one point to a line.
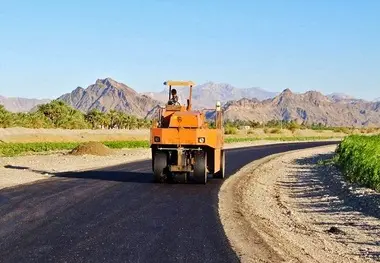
point(156, 139)
point(201, 139)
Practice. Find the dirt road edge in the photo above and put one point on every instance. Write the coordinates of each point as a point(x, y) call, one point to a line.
point(247, 243)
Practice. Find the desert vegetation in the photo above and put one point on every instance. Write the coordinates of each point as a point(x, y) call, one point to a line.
point(358, 157)
point(57, 114)
point(277, 126)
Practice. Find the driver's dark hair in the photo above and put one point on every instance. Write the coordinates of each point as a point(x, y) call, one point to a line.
point(174, 91)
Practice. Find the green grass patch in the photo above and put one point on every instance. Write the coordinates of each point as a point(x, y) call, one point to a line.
point(14, 149)
point(358, 156)
point(127, 144)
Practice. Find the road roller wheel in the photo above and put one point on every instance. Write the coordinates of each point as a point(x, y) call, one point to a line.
point(200, 167)
point(160, 163)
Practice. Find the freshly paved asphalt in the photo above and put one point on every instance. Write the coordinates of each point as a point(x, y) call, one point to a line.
point(118, 214)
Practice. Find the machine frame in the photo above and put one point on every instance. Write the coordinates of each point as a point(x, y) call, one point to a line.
point(183, 145)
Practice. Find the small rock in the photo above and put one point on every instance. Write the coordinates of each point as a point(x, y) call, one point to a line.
point(336, 231)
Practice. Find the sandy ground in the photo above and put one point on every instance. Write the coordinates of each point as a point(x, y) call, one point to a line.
point(289, 208)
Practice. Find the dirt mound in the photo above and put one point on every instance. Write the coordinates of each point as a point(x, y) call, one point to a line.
point(92, 148)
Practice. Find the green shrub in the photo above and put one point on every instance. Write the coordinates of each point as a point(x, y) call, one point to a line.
point(358, 156)
point(230, 130)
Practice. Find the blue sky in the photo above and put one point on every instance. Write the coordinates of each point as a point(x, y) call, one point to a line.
point(48, 48)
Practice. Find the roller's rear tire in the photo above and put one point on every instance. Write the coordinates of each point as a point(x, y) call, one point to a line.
point(221, 173)
point(200, 167)
point(160, 164)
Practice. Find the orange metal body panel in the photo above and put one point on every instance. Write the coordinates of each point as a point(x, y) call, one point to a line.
point(186, 119)
point(186, 136)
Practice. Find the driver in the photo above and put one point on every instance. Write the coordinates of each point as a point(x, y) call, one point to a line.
point(175, 98)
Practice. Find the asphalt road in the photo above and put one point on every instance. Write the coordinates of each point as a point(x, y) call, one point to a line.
point(118, 214)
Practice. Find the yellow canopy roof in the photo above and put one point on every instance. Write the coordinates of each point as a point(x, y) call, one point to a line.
point(179, 83)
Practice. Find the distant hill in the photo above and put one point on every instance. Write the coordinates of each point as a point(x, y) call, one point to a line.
point(206, 95)
point(309, 107)
point(340, 97)
point(15, 104)
point(107, 94)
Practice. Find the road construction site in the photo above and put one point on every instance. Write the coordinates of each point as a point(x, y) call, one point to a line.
point(275, 202)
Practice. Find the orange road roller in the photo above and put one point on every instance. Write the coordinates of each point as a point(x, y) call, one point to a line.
point(183, 146)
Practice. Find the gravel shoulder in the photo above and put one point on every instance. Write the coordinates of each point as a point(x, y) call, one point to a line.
point(290, 208)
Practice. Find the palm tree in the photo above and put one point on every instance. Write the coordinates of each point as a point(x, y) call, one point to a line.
point(132, 122)
point(112, 116)
point(122, 120)
point(104, 120)
point(6, 118)
point(95, 118)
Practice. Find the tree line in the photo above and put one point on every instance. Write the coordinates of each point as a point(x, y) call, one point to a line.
point(284, 124)
point(58, 114)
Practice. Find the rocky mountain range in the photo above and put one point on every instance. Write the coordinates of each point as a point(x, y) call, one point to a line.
point(108, 94)
point(309, 107)
point(254, 104)
point(15, 104)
